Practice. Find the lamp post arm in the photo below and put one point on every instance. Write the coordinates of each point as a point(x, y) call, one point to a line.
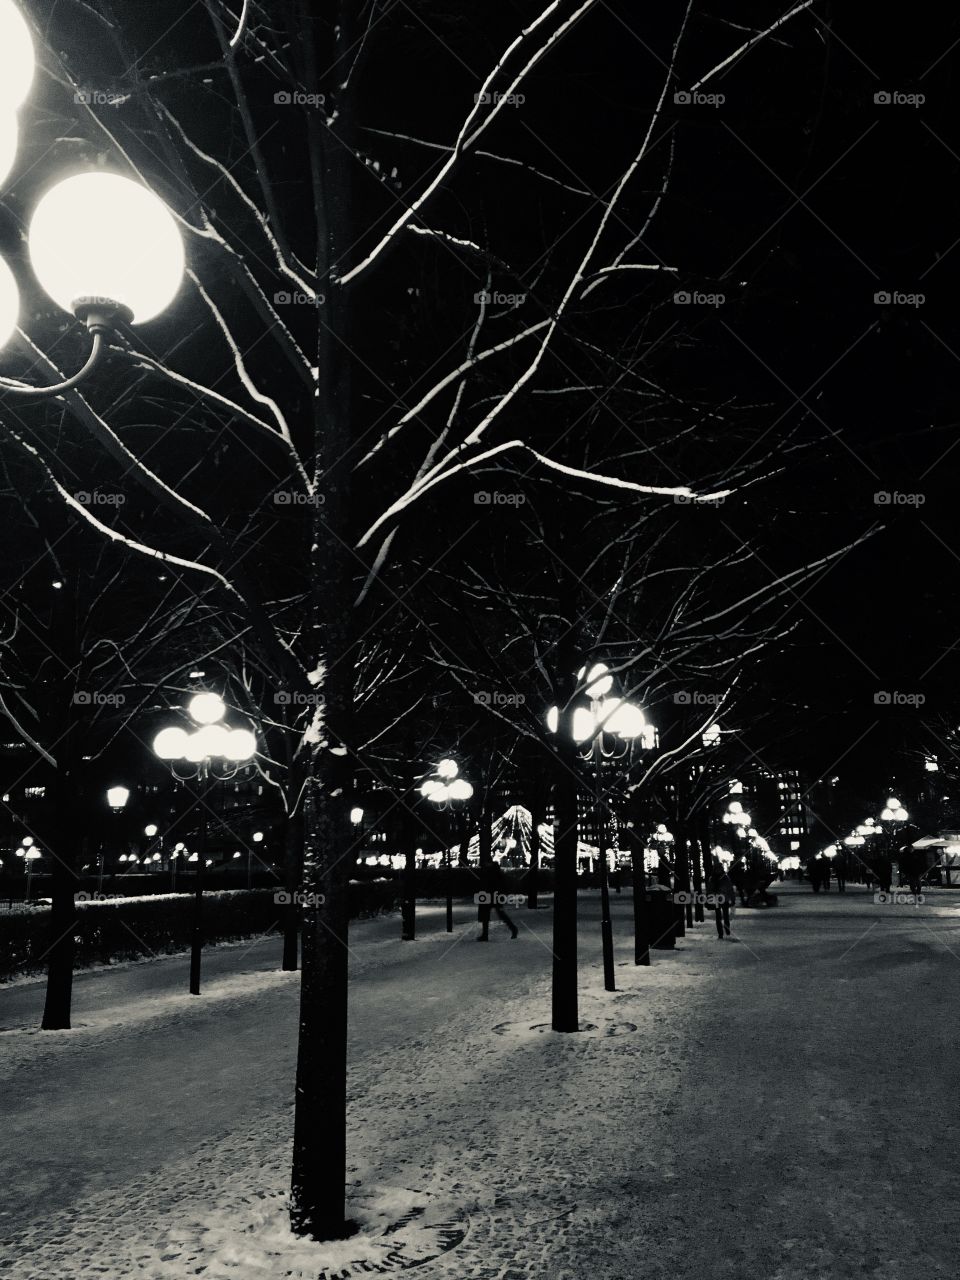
point(58, 388)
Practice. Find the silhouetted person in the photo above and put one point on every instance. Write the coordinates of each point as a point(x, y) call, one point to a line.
point(491, 899)
point(721, 887)
point(841, 874)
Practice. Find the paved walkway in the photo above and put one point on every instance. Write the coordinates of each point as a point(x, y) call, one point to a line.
point(780, 1106)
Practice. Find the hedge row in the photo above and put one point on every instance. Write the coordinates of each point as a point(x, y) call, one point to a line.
point(124, 929)
point(129, 928)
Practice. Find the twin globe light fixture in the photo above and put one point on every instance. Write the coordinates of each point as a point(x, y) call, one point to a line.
point(102, 246)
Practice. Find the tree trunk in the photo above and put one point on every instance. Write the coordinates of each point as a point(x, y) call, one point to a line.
point(408, 877)
point(319, 1174)
point(565, 1010)
point(293, 878)
point(64, 919)
point(66, 835)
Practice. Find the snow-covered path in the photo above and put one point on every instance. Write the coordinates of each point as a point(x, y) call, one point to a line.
point(782, 1106)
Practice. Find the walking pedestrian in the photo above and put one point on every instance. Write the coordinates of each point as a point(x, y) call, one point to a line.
point(492, 898)
point(721, 888)
point(840, 871)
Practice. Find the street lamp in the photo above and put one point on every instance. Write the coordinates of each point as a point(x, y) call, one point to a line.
point(213, 752)
point(613, 717)
point(117, 798)
point(102, 245)
point(445, 788)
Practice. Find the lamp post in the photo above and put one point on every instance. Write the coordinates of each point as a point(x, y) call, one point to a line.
point(210, 753)
point(442, 790)
point(615, 719)
point(117, 798)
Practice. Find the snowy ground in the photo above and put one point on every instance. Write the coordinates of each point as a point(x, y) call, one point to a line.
point(785, 1108)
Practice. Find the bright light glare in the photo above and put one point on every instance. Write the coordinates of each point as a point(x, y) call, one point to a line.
point(117, 797)
point(447, 769)
point(553, 719)
point(103, 236)
point(9, 296)
point(356, 817)
point(17, 60)
point(170, 744)
point(460, 789)
point(623, 718)
point(241, 744)
point(601, 682)
point(150, 831)
point(433, 790)
point(206, 708)
point(213, 740)
point(584, 724)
